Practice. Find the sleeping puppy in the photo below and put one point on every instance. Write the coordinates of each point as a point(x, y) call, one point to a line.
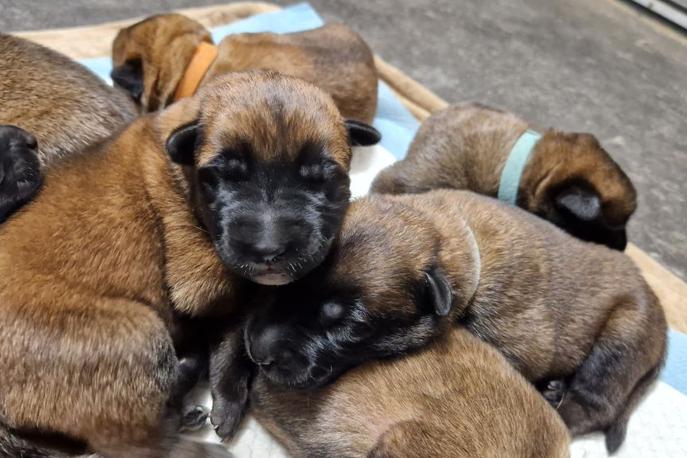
point(247, 179)
point(50, 108)
point(166, 57)
point(456, 398)
point(575, 318)
point(568, 179)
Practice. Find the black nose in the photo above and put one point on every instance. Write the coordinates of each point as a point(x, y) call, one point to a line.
point(267, 251)
point(269, 348)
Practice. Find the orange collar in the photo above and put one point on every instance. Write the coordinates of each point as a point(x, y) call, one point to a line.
point(205, 55)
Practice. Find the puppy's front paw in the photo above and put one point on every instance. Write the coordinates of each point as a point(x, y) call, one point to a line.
point(194, 418)
point(227, 413)
point(20, 174)
point(554, 391)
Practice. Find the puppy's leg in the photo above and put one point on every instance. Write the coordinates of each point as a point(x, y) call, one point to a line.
point(623, 362)
point(20, 173)
point(231, 372)
point(190, 337)
point(101, 373)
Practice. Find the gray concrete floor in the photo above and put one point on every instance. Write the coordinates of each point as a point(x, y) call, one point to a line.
point(582, 65)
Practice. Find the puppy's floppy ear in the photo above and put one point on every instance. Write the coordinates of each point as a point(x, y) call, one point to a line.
point(582, 203)
point(182, 143)
point(129, 76)
point(361, 134)
point(440, 291)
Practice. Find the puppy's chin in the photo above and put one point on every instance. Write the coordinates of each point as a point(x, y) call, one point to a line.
point(272, 279)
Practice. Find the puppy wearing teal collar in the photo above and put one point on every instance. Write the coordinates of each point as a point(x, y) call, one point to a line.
point(566, 178)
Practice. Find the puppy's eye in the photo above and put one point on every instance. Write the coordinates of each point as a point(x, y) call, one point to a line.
point(314, 173)
point(331, 313)
point(208, 177)
point(235, 169)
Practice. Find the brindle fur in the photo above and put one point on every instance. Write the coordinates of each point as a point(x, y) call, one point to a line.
point(456, 398)
point(569, 179)
point(94, 270)
point(156, 52)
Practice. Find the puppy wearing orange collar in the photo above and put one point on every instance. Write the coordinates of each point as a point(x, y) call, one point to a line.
point(167, 57)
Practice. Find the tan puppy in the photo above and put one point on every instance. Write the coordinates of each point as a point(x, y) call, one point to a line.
point(165, 57)
point(52, 106)
point(94, 270)
point(569, 179)
point(575, 318)
point(456, 398)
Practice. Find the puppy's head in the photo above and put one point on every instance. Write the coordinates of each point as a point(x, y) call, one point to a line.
point(150, 57)
point(379, 293)
point(266, 159)
point(574, 183)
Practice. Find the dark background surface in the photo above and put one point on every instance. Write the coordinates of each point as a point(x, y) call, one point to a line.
point(598, 66)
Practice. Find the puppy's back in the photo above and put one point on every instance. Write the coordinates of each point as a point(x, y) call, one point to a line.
point(462, 146)
point(56, 99)
point(333, 57)
point(457, 398)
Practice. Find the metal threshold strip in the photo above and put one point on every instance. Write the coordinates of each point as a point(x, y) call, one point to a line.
point(674, 11)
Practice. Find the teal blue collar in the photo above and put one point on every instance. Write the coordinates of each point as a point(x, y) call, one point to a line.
point(515, 164)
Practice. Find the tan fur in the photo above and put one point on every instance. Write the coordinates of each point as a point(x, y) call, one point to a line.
point(555, 306)
point(57, 100)
point(92, 270)
point(466, 147)
point(333, 57)
point(164, 53)
point(456, 398)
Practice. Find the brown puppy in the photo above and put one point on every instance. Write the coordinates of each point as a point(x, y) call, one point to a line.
point(93, 271)
point(404, 268)
point(456, 398)
point(52, 106)
point(569, 179)
point(152, 58)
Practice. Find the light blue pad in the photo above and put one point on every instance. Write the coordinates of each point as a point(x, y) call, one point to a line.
point(393, 120)
point(675, 371)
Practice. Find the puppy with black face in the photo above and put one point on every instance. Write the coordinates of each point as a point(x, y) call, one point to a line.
point(140, 222)
point(566, 178)
point(406, 268)
point(272, 186)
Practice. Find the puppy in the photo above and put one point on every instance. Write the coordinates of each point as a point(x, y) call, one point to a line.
point(94, 269)
point(568, 179)
point(50, 108)
point(166, 57)
point(456, 398)
point(573, 317)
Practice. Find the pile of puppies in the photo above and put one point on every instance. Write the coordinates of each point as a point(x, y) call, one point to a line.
point(215, 238)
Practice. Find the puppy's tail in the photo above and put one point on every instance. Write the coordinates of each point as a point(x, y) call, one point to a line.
point(615, 434)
